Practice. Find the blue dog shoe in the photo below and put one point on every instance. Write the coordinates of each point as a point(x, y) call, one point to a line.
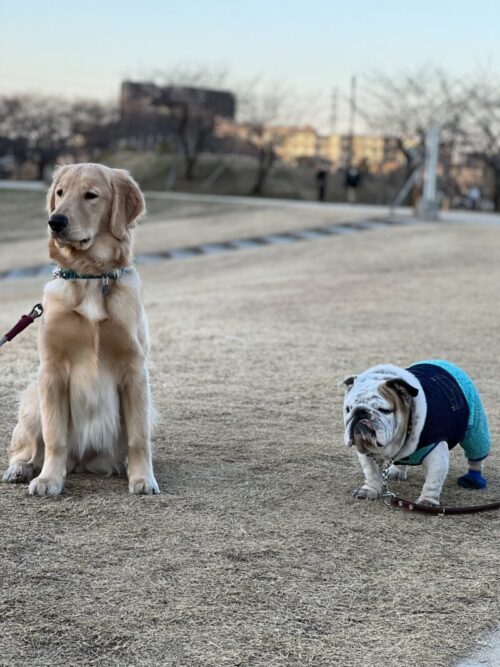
point(472, 480)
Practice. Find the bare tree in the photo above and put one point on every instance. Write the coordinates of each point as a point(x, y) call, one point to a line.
point(193, 97)
point(94, 126)
point(42, 123)
point(482, 128)
point(194, 125)
point(44, 128)
point(263, 106)
point(408, 104)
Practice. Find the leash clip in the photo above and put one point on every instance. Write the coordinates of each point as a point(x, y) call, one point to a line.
point(37, 311)
point(387, 498)
point(387, 494)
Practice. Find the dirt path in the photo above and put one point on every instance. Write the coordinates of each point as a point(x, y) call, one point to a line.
point(255, 553)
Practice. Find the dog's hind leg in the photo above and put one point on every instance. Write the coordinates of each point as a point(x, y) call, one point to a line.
point(26, 448)
point(473, 479)
point(435, 465)
point(476, 446)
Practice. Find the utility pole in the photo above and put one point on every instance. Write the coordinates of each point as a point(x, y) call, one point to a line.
point(428, 206)
point(352, 120)
point(334, 111)
point(333, 120)
point(352, 107)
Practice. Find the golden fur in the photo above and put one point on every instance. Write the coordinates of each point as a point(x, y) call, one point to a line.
point(90, 408)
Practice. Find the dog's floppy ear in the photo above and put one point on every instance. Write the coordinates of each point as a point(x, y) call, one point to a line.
point(128, 203)
point(403, 388)
point(347, 382)
point(50, 203)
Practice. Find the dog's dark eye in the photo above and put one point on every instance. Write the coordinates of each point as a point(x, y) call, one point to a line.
point(347, 409)
point(59, 193)
point(385, 411)
point(90, 195)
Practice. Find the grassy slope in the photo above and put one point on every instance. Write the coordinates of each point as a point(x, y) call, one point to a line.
point(151, 169)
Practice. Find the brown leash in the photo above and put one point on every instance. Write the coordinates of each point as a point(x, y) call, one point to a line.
point(392, 500)
point(395, 501)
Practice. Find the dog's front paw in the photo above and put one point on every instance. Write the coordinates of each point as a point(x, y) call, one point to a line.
point(364, 493)
point(428, 501)
point(17, 473)
point(45, 486)
point(144, 486)
point(397, 473)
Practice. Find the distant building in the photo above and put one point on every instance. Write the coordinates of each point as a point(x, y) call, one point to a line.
point(290, 143)
point(331, 149)
point(148, 109)
point(149, 98)
point(372, 151)
point(294, 143)
point(303, 145)
point(226, 128)
point(138, 98)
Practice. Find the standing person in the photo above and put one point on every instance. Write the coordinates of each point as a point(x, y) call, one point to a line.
point(321, 178)
point(352, 180)
point(474, 197)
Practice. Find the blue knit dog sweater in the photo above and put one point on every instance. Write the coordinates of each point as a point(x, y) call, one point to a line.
point(455, 413)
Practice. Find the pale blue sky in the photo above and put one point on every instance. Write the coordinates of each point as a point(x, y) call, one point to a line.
point(70, 48)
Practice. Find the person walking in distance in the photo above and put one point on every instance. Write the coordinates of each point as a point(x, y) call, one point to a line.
point(321, 178)
point(352, 180)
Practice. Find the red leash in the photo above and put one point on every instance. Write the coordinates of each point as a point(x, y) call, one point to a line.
point(24, 322)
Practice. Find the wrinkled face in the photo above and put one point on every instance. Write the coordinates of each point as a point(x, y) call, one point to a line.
point(376, 413)
point(80, 203)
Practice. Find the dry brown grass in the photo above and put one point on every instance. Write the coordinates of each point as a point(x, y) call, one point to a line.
point(256, 554)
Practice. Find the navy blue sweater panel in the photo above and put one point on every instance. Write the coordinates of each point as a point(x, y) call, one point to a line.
point(447, 408)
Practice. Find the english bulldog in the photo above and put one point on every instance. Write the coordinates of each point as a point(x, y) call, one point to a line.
point(412, 416)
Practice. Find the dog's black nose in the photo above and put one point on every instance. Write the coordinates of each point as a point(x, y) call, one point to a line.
point(58, 222)
point(361, 414)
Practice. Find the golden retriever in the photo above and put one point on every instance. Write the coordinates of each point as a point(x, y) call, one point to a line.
point(90, 409)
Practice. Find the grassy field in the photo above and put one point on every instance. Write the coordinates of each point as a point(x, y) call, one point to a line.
point(255, 554)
